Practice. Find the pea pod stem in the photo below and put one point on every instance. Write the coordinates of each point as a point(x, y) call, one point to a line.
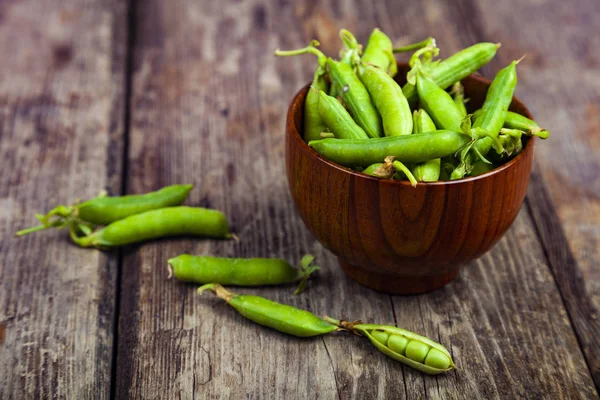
point(310, 49)
point(399, 167)
point(430, 41)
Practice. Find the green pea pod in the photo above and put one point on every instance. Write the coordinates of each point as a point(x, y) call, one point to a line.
point(459, 98)
point(337, 119)
point(154, 224)
point(407, 148)
point(497, 100)
point(514, 120)
point(281, 317)
point(438, 104)
point(104, 209)
point(407, 347)
point(481, 167)
point(379, 52)
point(355, 96)
point(313, 124)
point(455, 68)
point(428, 171)
point(349, 52)
point(380, 170)
point(388, 99)
point(241, 271)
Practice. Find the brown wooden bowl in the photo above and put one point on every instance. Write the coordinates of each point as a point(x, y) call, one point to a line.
point(396, 238)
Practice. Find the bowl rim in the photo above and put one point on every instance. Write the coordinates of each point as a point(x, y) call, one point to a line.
point(526, 149)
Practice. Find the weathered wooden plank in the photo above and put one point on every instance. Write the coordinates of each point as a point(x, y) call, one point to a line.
point(208, 107)
point(61, 131)
point(560, 83)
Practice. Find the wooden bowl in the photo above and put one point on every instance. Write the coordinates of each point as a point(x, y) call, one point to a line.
point(396, 238)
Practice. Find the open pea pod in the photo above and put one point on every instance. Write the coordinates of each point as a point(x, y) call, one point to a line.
point(436, 361)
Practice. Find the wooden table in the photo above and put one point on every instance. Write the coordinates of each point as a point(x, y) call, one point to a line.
point(132, 96)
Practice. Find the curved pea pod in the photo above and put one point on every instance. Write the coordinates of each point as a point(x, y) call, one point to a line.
point(409, 348)
point(154, 224)
point(281, 317)
point(379, 52)
point(456, 67)
point(495, 106)
point(428, 171)
point(313, 125)
point(337, 119)
point(355, 96)
point(103, 209)
point(351, 50)
point(458, 92)
point(515, 120)
point(438, 103)
point(407, 148)
point(241, 271)
point(388, 99)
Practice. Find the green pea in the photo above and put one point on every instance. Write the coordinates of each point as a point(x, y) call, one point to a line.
point(337, 119)
point(455, 68)
point(313, 124)
point(388, 99)
point(281, 317)
point(397, 344)
point(379, 52)
point(416, 350)
point(103, 209)
point(407, 148)
point(240, 271)
point(350, 51)
point(438, 104)
point(355, 96)
point(404, 346)
point(437, 359)
point(170, 221)
point(381, 336)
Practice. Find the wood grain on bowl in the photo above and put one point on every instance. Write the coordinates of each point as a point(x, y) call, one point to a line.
point(395, 238)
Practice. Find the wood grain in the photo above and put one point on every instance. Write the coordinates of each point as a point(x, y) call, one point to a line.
point(61, 135)
point(208, 107)
point(559, 82)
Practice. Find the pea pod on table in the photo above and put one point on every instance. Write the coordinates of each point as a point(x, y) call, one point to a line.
point(154, 224)
point(281, 317)
point(409, 348)
point(103, 209)
point(313, 124)
point(241, 271)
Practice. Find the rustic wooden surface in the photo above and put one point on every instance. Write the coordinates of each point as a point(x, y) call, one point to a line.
point(61, 136)
point(206, 105)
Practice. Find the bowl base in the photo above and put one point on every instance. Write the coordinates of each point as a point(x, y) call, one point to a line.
point(394, 284)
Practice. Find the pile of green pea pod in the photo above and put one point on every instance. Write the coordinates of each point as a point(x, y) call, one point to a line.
point(105, 222)
point(110, 221)
point(358, 116)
